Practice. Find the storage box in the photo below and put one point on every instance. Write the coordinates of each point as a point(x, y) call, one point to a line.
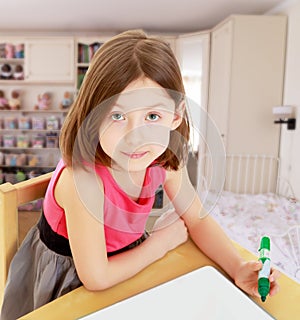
point(37, 160)
point(38, 123)
point(52, 123)
point(9, 141)
point(22, 141)
point(52, 140)
point(10, 123)
point(24, 123)
point(38, 141)
point(13, 159)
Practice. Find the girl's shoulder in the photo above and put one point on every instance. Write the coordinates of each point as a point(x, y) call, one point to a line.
point(172, 175)
point(79, 183)
point(71, 177)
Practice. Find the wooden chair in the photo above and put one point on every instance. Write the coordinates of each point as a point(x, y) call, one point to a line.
point(11, 197)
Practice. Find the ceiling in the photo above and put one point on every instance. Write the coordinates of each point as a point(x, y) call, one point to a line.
point(118, 15)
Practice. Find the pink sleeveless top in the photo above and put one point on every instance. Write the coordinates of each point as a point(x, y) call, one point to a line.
point(124, 219)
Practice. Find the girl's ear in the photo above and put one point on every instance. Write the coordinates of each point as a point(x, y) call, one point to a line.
point(179, 112)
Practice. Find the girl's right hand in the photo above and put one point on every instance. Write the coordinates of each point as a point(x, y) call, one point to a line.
point(169, 231)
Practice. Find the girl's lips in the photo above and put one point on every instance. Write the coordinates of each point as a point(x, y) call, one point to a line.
point(135, 155)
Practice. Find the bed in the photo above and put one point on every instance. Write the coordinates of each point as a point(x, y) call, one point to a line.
point(256, 202)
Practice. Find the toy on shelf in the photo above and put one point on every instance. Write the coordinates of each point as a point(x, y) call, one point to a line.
point(19, 51)
point(32, 174)
point(18, 73)
point(21, 159)
point(24, 123)
point(15, 101)
point(2, 50)
point(15, 160)
point(36, 160)
point(32, 160)
point(22, 141)
point(9, 141)
point(52, 123)
point(9, 51)
point(44, 101)
point(6, 72)
point(3, 101)
point(38, 141)
point(20, 176)
point(51, 140)
point(10, 123)
point(38, 123)
point(66, 101)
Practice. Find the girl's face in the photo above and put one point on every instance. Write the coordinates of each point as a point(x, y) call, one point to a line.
point(136, 130)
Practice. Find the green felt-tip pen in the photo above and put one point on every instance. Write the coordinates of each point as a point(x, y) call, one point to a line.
point(264, 273)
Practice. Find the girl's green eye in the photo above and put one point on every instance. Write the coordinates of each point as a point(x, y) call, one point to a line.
point(153, 117)
point(117, 116)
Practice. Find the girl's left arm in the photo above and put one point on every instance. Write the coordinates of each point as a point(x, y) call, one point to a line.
point(209, 236)
point(204, 231)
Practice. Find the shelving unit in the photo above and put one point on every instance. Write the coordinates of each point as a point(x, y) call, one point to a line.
point(27, 149)
point(12, 56)
point(86, 48)
point(28, 142)
point(14, 63)
point(50, 64)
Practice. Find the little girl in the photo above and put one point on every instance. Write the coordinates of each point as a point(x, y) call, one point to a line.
point(125, 135)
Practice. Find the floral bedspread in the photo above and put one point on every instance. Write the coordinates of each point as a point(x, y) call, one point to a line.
point(246, 218)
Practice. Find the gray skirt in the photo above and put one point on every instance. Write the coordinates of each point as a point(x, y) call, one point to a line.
point(37, 275)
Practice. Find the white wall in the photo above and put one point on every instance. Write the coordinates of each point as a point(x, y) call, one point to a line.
point(290, 139)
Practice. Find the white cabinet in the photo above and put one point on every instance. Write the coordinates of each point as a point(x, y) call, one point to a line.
point(192, 51)
point(49, 59)
point(246, 81)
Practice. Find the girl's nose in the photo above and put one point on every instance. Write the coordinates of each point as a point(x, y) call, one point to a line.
point(135, 135)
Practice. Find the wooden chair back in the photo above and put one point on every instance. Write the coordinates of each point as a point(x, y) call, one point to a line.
point(11, 197)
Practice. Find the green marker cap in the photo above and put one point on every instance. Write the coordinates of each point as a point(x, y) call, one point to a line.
point(265, 243)
point(263, 288)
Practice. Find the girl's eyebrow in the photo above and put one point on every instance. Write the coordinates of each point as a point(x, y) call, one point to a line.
point(157, 105)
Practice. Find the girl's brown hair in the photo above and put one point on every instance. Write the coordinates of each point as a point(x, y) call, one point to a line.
point(121, 60)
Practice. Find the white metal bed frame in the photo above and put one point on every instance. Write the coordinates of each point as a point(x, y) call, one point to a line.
point(248, 174)
point(251, 173)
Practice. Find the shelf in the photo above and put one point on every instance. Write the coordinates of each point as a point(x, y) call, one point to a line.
point(35, 111)
point(28, 148)
point(12, 81)
point(29, 130)
point(11, 60)
point(15, 61)
point(26, 167)
point(86, 49)
point(41, 82)
point(83, 64)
